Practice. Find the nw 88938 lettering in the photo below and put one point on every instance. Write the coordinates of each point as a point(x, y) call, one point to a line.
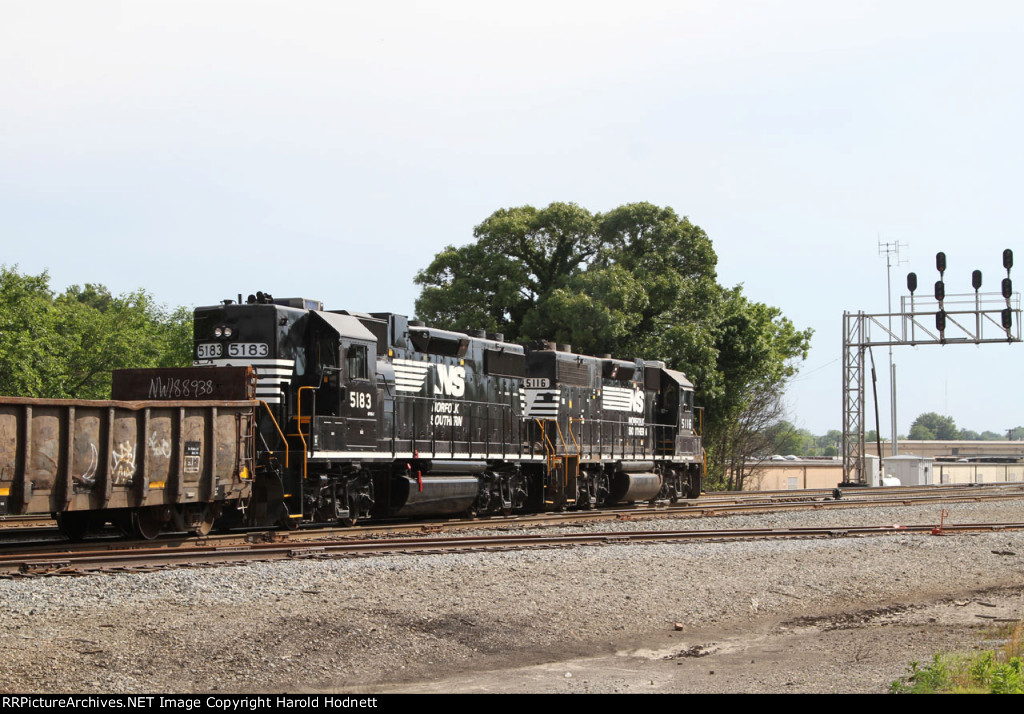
point(341, 416)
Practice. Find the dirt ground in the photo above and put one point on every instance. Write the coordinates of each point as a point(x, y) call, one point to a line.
point(859, 652)
point(843, 614)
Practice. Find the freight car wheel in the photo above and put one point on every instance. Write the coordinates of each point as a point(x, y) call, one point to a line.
point(147, 522)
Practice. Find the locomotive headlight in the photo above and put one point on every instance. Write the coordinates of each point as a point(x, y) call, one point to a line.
point(217, 332)
point(227, 332)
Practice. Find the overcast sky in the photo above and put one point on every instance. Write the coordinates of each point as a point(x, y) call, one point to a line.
point(330, 149)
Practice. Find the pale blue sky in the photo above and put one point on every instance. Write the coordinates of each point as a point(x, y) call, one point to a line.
point(329, 149)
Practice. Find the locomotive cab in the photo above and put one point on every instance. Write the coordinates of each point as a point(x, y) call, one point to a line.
point(673, 405)
point(675, 414)
point(316, 375)
point(342, 399)
point(675, 434)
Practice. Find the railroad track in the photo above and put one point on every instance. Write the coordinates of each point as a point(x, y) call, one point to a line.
point(41, 538)
point(145, 559)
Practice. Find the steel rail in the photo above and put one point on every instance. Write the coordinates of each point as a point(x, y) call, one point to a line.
point(694, 508)
point(137, 559)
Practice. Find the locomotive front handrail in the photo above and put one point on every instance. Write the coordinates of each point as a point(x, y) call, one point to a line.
point(298, 426)
point(284, 440)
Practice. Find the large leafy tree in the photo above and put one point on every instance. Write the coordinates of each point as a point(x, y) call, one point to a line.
point(639, 281)
point(930, 426)
point(521, 256)
point(29, 342)
point(67, 345)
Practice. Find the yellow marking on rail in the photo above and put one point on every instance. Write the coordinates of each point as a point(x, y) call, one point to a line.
point(244, 473)
point(156, 484)
point(5, 492)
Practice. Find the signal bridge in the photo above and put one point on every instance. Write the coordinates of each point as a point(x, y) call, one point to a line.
point(971, 318)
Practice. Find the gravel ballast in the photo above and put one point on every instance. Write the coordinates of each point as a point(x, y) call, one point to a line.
point(660, 618)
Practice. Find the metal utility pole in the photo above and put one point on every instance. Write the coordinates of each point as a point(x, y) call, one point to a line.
point(891, 250)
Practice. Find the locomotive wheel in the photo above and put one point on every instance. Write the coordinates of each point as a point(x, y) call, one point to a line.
point(147, 522)
point(583, 500)
point(672, 493)
point(73, 525)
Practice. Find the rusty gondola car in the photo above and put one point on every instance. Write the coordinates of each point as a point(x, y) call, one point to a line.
point(173, 458)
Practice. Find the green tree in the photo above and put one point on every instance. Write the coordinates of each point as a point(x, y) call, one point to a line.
point(637, 281)
point(521, 256)
point(930, 426)
point(66, 346)
point(830, 443)
point(29, 344)
point(756, 350)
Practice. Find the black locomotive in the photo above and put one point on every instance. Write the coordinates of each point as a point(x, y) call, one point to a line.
point(373, 415)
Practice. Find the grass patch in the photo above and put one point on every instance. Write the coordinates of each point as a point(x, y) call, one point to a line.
point(997, 671)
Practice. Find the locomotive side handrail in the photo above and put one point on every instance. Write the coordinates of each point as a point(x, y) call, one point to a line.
point(430, 432)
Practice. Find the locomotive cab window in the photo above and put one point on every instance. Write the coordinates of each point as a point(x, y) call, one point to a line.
point(327, 349)
point(356, 362)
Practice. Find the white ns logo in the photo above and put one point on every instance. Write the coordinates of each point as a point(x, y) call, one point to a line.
point(452, 380)
point(637, 402)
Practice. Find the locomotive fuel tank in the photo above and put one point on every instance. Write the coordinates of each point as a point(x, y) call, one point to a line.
point(635, 481)
point(437, 488)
